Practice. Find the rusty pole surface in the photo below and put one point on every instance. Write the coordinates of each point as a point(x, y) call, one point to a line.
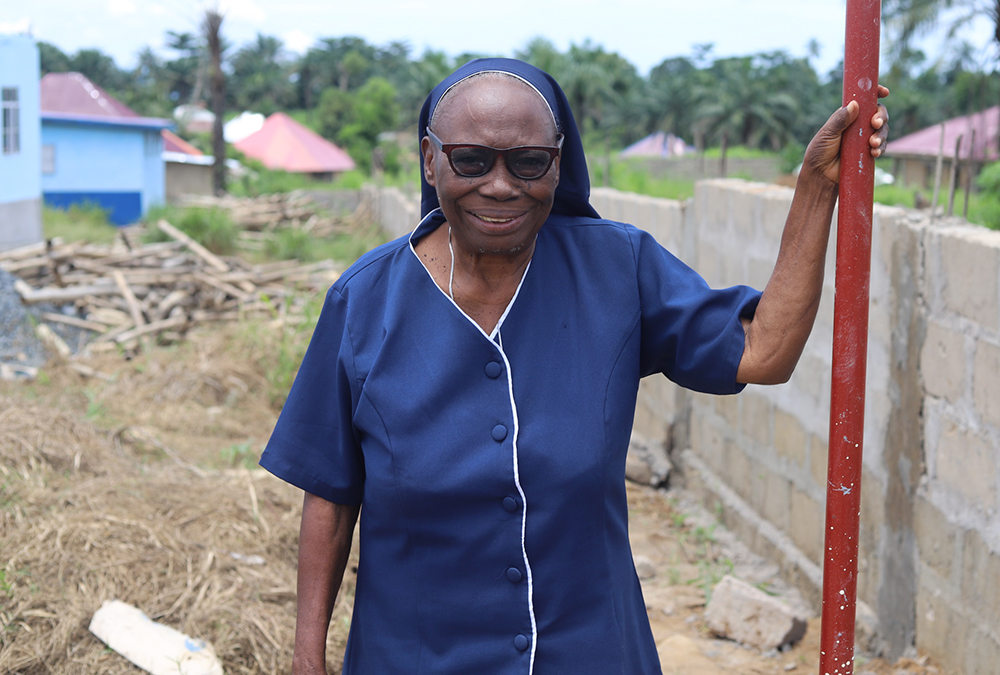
point(850, 342)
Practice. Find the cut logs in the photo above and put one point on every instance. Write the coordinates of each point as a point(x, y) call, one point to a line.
point(128, 291)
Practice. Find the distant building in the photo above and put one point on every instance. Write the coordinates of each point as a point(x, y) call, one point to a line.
point(915, 155)
point(658, 144)
point(282, 143)
point(189, 170)
point(21, 153)
point(96, 149)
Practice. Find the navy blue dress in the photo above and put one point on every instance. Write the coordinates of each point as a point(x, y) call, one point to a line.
point(494, 533)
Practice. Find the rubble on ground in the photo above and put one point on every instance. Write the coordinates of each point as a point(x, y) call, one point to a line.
point(744, 613)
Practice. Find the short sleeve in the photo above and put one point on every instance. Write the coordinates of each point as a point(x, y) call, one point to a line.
point(314, 445)
point(691, 333)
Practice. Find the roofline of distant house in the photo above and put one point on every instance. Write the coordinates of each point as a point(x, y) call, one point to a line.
point(105, 121)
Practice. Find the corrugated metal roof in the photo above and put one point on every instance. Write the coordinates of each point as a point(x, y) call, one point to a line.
point(927, 142)
point(71, 97)
point(73, 93)
point(282, 143)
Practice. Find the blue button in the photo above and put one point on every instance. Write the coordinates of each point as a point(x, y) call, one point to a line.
point(493, 369)
point(513, 575)
point(499, 433)
point(521, 643)
point(510, 504)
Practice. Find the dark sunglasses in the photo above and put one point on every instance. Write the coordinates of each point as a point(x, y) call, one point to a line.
point(526, 162)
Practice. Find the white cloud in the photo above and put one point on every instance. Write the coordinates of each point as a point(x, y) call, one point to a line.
point(297, 41)
point(121, 7)
point(246, 10)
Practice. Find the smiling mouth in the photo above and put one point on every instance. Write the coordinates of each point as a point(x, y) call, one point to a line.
point(494, 221)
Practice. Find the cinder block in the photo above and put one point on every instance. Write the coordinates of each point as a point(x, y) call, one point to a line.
point(812, 376)
point(970, 265)
point(745, 211)
point(789, 438)
point(942, 363)
point(757, 415)
point(774, 213)
point(630, 208)
point(966, 463)
point(729, 408)
point(983, 652)
point(757, 480)
point(706, 441)
point(736, 470)
point(777, 501)
point(941, 631)
point(708, 263)
point(980, 578)
point(758, 272)
point(646, 213)
point(599, 200)
point(935, 537)
point(808, 518)
point(669, 221)
point(819, 455)
point(986, 382)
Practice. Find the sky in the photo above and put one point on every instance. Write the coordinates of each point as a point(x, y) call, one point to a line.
point(643, 31)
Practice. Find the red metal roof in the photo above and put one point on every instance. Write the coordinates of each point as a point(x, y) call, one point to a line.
point(74, 94)
point(282, 143)
point(174, 143)
point(928, 141)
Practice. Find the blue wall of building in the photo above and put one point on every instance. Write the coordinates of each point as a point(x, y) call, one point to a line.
point(119, 167)
point(20, 173)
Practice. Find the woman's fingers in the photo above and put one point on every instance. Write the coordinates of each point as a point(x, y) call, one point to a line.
point(880, 138)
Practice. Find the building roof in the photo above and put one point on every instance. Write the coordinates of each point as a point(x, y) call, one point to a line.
point(174, 143)
point(71, 97)
point(658, 144)
point(282, 143)
point(927, 142)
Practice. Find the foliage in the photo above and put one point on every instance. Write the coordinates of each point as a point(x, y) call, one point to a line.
point(352, 92)
point(87, 222)
point(989, 179)
point(631, 176)
point(210, 227)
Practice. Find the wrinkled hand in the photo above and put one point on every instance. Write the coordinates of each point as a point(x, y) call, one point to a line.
point(823, 154)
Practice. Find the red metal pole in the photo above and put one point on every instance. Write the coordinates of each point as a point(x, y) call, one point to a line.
point(850, 342)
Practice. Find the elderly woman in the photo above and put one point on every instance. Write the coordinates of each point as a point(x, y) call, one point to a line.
point(473, 385)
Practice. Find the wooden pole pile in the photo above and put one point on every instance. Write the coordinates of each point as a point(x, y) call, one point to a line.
point(129, 292)
point(260, 217)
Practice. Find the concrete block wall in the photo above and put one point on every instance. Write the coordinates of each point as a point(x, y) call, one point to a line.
point(929, 559)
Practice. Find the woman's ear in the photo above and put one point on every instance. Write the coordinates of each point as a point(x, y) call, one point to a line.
point(428, 152)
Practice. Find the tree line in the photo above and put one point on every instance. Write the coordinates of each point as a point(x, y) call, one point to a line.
point(351, 91)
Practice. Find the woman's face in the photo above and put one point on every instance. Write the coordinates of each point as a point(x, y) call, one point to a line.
point(497, 213)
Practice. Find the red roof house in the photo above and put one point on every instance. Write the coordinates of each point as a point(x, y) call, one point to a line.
point(73, 93)
point(916, 153)
point(282, 143)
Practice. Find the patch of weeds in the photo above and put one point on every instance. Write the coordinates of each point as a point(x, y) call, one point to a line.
point(674, 575)
point(710, 573)
point(95, 408)
point(43, 378)
point(678, 518)
point(86, 221)
point(210, 227)
point(6, 586)
point(241, 455)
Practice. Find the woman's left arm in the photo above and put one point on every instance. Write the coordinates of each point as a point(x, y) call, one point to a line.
point(778, 331)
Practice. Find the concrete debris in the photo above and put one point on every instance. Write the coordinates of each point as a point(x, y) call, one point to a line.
point(645, 568)
point(750, 616)
point(647, 463)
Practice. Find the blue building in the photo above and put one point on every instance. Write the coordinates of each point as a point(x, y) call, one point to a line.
point(20, 156)
point(97, 150)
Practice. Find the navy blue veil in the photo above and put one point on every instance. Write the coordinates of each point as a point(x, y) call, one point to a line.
point(572, 196)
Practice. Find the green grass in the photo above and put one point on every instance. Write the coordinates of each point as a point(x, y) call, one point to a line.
point(87, 222)
point(211, 227)
point(632, 177)
point(984, 209)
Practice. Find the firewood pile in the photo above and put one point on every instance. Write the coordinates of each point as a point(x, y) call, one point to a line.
point(259, 218)
point(128, 293)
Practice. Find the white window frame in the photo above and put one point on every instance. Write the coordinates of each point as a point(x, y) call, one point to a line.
point(11, 121)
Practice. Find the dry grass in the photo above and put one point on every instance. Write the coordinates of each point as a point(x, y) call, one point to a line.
point(85, 517)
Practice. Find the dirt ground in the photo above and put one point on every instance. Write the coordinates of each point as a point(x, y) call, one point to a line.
point(137, 484)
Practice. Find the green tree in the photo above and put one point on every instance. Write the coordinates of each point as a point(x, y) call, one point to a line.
point(260, 76)
point(53, 60)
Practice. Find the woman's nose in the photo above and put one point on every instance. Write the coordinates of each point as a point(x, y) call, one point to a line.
point(499, 183)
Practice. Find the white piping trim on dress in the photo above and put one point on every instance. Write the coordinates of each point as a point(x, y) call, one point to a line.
point(517, 426)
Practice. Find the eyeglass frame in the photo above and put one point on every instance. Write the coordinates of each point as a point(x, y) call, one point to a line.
point(447, 148)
